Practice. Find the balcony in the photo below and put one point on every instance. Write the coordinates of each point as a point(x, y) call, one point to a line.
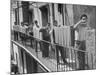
point(29, 50)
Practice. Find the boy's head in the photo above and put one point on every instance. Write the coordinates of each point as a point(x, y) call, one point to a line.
point(55, 23)
point(48, 24)
point(22, 24)
point(36, 22)
point(84, 18)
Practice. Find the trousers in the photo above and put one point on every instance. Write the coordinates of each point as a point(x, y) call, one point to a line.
point(81, 55)
point(62, 52)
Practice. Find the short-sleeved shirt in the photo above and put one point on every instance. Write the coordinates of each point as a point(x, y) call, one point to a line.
point(78, 33)
point(82, 33)
point(45, 34)
point(36, 33)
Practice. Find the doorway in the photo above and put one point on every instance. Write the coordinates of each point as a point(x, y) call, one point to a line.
point(30, 16)
point(44, 12)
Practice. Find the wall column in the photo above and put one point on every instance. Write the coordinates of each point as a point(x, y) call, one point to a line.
point(56, 12)
point(69, 13)
point(20, 14)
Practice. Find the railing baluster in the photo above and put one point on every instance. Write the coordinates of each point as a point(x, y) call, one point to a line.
point(87, 61)
point(56, 57)
point(92, 60)
point(75, 60)
point(69, 59)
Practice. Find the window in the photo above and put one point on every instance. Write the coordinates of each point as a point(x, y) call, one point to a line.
point(60, 8)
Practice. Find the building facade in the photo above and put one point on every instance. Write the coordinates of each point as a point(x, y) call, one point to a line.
point(64, 14)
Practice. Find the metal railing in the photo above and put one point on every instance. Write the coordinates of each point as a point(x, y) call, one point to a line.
point(60, 57)
point(39, 63)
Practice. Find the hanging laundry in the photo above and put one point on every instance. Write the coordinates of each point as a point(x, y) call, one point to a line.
point(62, 35)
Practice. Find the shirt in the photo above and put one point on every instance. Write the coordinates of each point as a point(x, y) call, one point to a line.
point(45, 34)
point(36, 32)
point(23, 29)
point(82, 33)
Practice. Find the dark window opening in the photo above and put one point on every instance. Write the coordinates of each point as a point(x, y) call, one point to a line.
point(60, 8)
point(16, 16)
point(25, 8)
point(53, 12)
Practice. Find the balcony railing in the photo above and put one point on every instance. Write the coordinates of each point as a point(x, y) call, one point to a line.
point(60, 58)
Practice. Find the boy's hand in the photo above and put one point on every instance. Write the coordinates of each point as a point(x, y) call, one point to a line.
point(83, 20)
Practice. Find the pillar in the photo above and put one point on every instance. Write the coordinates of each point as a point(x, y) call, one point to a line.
point(69, 13)
point(56, 12)
point(20, 13)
